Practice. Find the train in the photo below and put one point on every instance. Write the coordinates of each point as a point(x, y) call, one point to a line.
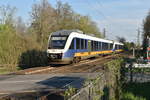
point(148, 54)
point(72, 46)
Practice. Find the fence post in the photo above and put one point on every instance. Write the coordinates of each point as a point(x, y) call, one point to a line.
point(131, 72)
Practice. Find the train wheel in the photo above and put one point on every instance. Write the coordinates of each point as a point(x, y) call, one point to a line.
point(76, 59)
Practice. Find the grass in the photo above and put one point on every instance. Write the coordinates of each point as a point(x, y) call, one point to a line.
point(7, 70)
point(138, 90)
point(4, 71)
point(131, 96)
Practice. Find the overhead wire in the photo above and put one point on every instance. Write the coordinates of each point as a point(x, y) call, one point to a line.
point(100, 13)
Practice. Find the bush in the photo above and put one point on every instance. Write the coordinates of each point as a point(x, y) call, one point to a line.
point(130, 96)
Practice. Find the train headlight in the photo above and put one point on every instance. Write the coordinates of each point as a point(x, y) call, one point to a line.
point(56, 56)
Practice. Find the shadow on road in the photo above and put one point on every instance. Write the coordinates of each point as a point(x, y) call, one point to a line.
point(62, 82)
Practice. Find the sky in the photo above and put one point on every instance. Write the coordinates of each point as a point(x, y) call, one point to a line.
point(119, 17)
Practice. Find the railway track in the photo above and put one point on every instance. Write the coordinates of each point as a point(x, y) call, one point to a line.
point(84, 67)
point(89, 65)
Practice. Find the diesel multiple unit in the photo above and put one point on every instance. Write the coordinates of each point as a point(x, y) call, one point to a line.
point(67, 46)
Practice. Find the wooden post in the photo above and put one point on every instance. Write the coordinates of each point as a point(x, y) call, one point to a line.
point(134, 52)
point(131, 72)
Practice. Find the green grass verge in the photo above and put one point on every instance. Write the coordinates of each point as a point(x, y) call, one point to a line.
point(4, 71)
point(131, 96)
point(7, 70)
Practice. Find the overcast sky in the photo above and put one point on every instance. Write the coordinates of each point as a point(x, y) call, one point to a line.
point(119, 17)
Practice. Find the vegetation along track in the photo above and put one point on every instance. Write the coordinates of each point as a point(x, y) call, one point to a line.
point(89, 65)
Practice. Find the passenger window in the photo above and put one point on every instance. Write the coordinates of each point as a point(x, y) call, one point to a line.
point(85, 44)
point(110, 46)
point(78, 43)
point(92, 44)
point(106, 46)
point(96, 45)
point(100, 47)
point(72, 45)
point(82, 44)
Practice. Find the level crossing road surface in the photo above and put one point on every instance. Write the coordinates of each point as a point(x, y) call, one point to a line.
point(10, 84)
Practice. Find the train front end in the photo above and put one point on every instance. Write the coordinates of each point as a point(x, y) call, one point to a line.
point(56, 48)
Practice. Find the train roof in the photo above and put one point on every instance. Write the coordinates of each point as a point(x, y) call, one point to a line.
point(66, 32)
point(119, 43)
point(80, 34)
point(85, 36)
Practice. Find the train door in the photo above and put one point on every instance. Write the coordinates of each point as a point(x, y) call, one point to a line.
point(114, 45)
point(89, 46)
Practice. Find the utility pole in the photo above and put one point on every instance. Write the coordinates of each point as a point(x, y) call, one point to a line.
point(138, 38)
point(148, 41)
point(133, 52)
point(104, 32)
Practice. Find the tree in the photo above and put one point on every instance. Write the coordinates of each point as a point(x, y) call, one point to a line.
point(146, 33)
point(7, 14)
point(20, 26)
point(68, 19)
point(65, 16)
point(121, 39)
point(43, 20)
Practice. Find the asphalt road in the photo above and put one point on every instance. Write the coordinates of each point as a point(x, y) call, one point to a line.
point(40, 82)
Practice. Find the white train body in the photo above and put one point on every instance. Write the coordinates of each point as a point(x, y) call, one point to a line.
point(71, 46)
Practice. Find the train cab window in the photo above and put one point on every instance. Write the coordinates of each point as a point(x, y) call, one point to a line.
point(78, 43)
point(72, 45)
point(57, 42)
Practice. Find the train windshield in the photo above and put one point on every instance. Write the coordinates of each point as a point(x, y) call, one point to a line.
point(57, 42)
